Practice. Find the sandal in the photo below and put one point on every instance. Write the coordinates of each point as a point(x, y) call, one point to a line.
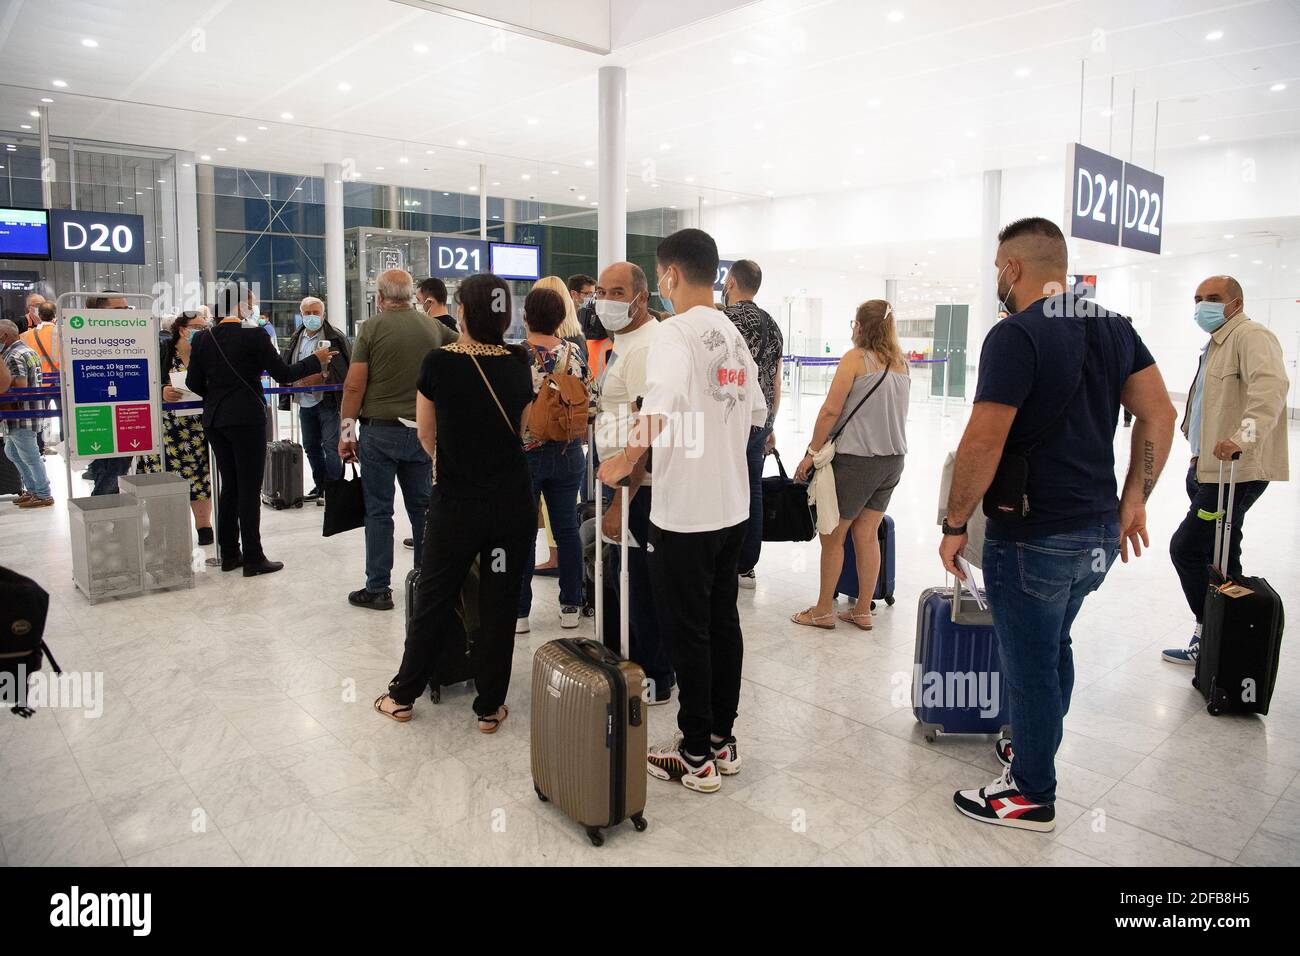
point(490, 725)
point(855, 617)
point(400, 713)
point(807, 618)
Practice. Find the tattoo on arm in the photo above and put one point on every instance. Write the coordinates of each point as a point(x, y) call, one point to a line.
point(1148, 468)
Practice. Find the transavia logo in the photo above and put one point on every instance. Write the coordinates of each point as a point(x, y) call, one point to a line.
point(76, 321)
point(133, 910)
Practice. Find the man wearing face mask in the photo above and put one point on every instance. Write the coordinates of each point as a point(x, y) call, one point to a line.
point(431, 296)
point(1038, 450)
point(1237, 403)
point(621, 297)
point(318, 412)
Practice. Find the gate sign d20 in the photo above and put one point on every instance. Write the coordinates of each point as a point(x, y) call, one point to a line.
point(1144, 202)
point(112, 394)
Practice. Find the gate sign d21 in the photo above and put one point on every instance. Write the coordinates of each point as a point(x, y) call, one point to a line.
point(1112, 201)
point(111, 390)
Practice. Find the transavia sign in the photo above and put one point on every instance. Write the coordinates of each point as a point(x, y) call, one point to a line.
point(111, 385)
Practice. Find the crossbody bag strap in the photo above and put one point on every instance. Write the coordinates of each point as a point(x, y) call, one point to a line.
point(493, 393)
point(41, 345)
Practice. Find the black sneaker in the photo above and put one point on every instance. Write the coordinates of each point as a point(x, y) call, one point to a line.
point(375, 600)
point(1002, 804)
point(1003, 749)
point(408, 543)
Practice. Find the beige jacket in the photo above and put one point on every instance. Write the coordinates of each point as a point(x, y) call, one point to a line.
point(1244, 400)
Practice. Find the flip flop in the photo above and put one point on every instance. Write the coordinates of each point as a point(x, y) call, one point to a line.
point(813, 619)
point(855, 617)
point(493, 723)
point(401, 714)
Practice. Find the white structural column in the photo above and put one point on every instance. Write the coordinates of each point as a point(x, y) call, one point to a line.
point(891, 295)
point(336, 294)
point(985, 310)
point(47, 161)
point(482, 201)
point(187, 227)
point(611, 215)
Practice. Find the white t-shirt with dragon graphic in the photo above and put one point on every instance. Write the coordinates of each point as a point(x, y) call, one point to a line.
point(701, 377)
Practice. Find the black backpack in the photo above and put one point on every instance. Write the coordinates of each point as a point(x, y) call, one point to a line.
point(24, 605)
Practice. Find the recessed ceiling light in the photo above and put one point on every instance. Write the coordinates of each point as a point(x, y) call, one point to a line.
point(739, 59)
point(262, 127)
point(664, 147)
point(1040, 158)
point(1203, 137)
point(759, 127)
point(345, 87)
point(221, 149)
point(402, 159)
point(35, 114)
point(162, 182)
point(589, 162)
point(1022, 72)
point(526, 176)
point(473, 189)
point(1214, 35)
point(690, 179)
point(555, 172)
point(428, 152)
point(205, 157)
point(874, 103)
point(119, 202)
point(894, 16)
point(286, 116)
point(59, 83)
point(970, 134)
point(241, 139)
point(46, 99)
point(461, 142)
point(1277, 88)
point(25, 126)
point(379, 169)
point(1234, 255)
point(541, 217)
point(769, 193)
point(1256, 262)
point(421, 48)
point(532, 121)
point(654, 185)
point(89, 43)
point(582, 199)
point(1228, 235)
point(496, 182)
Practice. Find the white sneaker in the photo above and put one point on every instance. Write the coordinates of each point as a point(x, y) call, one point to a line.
point(521, 625)
point(570, 617)
point(747, 580)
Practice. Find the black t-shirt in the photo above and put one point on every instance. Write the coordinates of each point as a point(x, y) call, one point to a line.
point(479, 455)
point(1031, 362)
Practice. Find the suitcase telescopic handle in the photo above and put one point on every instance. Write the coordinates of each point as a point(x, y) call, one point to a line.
point(1223, 519)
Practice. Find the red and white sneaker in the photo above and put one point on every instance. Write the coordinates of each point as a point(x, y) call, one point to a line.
point(727, 757)
point(669, 763)
point(1002, 804)
point(1003, 749)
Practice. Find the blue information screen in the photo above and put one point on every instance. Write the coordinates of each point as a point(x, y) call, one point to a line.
point(110, 380)
point(24, 234)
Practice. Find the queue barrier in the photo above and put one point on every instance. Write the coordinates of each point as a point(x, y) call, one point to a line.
point(53, 394)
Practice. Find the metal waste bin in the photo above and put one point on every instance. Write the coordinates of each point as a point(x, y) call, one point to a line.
point(165, 526)
point(107, 557)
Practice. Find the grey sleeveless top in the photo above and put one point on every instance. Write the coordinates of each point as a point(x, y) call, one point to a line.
point(880, 426)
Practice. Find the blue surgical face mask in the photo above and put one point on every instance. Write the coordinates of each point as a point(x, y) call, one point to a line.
point(190, 333)
point(312, 322)
point(1209, 316)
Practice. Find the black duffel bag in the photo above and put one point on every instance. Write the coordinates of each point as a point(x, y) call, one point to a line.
point(24, 605)
point(787, 515)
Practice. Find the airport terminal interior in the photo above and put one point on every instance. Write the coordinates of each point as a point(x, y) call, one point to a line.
point(852, 149)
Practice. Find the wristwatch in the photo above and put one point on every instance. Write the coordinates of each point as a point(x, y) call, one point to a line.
point(950, 530)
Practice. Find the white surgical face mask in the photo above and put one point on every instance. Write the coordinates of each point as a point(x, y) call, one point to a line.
point(615, 316)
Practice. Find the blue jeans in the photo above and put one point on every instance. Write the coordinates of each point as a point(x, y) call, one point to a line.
point(320, 441)
point(388, 454)
point(104, 472)
point(755, 452)
point(1035, 589)
point(22, 450)
point(558, 469)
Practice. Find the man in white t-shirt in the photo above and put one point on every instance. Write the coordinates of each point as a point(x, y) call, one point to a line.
point(702, 397)
point(622, 299)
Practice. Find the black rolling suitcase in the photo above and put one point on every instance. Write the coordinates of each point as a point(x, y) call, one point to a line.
point(10, 482)
point(24, 605)
point(282, 480)
point(456, 664)
point(1241, 629)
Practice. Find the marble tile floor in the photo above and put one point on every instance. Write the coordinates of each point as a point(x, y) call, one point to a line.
point(237, 729)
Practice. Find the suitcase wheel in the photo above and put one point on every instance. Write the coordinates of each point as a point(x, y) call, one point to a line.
point(541, 796)
point(873, 605)
point(435, 693)
point(593, 834)
point(297, 504)
point(638, 821)
point(930, 736)
point(1196, 683)
point(1214, 708)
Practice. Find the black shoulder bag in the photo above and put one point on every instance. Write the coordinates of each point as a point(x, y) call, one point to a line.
point(1007, 498)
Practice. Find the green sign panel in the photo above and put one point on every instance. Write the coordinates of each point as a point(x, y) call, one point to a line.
point(94, 424)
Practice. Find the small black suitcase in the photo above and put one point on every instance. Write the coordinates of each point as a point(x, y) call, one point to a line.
point(1241, 629)
point(456, 664)
point(282, 479)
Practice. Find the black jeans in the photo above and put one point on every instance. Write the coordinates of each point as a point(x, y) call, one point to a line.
point(241, 460)
point(755, 454)
point(1192, 546)
point(104, 472)
point(501, 535)
point(694, 576)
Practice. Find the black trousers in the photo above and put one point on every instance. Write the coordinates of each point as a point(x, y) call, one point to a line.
point(502, 536)
point(241, 459)
point(694, 577)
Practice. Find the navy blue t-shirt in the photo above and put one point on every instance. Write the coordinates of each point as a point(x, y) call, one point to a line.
point(1030, 361)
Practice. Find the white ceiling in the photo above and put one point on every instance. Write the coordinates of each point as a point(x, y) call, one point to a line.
point(780, 97)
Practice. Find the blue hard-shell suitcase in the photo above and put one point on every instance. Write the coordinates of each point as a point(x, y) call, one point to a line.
point(957, 685)
point(848, 584)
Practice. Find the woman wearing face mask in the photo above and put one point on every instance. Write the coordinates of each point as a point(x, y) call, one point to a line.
point(184, 442)
point(870, 440)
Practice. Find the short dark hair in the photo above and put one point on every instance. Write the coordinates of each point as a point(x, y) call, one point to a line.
point(747, 274)
point(435, 289)
point(1031, 226)
point(46, 311)
point(484, 301)
point(694, 252)
point(543, 311)
point(578, 281)
point(101, 301)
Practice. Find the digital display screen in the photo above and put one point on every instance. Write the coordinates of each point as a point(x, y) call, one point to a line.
point(24, 234)
point(511, 261)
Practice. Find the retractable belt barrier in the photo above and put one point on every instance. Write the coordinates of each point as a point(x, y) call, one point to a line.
point(52, 393)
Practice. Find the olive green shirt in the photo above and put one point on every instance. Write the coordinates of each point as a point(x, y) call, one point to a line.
point(393, 346)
